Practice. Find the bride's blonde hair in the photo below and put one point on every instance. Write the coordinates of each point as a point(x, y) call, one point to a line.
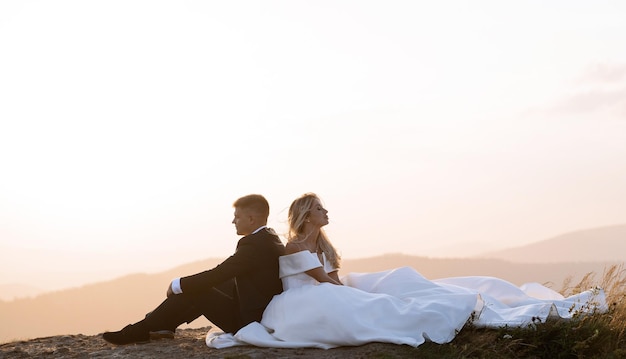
point(298, 213)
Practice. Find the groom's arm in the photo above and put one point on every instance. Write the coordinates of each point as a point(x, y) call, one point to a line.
point(240, 262)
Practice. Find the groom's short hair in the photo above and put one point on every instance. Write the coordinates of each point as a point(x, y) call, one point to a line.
point(254, 203)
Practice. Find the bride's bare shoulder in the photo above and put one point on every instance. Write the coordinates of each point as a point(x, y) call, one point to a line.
point(294, 247)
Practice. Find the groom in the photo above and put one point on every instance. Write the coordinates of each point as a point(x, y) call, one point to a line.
point(232, 294)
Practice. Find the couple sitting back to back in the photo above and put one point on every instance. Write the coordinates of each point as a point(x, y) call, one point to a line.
point(270, 295)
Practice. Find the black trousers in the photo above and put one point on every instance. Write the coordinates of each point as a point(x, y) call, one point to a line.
point(218, 304)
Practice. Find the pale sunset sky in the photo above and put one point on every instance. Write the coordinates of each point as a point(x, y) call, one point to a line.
point(431, 128)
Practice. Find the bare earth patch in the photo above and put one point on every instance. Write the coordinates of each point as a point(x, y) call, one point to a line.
point(189, 343)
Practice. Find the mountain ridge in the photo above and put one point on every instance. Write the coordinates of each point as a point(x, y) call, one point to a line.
point(606, 243)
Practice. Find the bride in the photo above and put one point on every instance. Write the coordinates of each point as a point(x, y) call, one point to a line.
point(400, 306)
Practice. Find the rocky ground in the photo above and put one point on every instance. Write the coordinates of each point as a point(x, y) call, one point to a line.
point(189, 343)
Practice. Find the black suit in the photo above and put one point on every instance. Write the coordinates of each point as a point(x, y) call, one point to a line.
point(230, 295)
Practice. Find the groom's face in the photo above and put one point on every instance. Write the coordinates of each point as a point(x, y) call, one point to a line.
point(243, 221)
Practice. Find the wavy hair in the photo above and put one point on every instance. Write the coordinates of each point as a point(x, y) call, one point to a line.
point(298, 213)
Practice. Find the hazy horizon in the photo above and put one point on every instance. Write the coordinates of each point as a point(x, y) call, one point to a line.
point(128, 128)
point(74, 279)
point(63, 278)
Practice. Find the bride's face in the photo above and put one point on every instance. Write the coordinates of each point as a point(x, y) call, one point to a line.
point(318, 215)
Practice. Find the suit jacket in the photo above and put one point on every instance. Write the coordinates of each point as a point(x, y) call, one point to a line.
point(254, 268)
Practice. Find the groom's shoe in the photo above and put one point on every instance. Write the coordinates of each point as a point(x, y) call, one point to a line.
point(129, 335)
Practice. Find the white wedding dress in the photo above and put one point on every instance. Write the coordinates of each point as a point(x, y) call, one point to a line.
point(396, 306)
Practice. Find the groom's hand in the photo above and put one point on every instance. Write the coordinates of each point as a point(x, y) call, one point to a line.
point(170, 291)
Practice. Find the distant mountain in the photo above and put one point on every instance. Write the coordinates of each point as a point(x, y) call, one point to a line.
point(590, 245)
point(110, 305)
point(16, 290)
point(91, 308)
